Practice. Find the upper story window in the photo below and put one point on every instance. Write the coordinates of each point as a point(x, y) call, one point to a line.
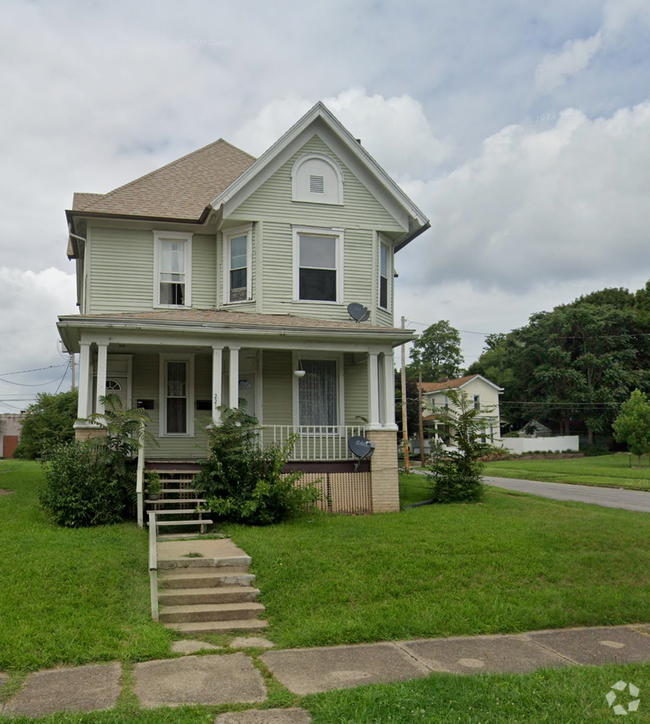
point(173, 269)
point(318, 265)
point(384, 276)
point(477, 402)
point(237, 252)
point(317, 179)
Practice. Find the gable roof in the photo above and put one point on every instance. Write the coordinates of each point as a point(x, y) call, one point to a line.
point(180, 190)
point(386, 190)
point(455, 384)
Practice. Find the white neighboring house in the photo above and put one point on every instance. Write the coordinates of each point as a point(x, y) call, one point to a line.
point(480, 391)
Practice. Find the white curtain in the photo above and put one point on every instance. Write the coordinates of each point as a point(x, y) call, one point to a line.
point(317, 392)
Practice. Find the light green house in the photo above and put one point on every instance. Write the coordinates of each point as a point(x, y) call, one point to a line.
point(221, 279)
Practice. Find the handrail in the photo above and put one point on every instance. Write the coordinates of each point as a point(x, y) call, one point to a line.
point(314, 442)
point(139, 486)
point(153, 564)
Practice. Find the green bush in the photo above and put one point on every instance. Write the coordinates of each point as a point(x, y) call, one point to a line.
point(80, 489)
point(49, 421)
point(244, 483)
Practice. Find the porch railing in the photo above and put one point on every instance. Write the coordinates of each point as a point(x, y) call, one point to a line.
point(153, 564)
point(139, 485)
point(314, 442)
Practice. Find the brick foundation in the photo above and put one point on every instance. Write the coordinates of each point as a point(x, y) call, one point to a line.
point(384, 471)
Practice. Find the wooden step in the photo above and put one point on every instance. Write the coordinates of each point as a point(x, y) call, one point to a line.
point(206, 521)
point(184, 578)
point(252, 624)
point(176, 501)
point(199, 596)
point(177, 490)
point(210, 612)
point(179, 511)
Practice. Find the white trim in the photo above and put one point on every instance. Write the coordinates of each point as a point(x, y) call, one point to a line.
point(85, 379)
point(102, 367)
point(298, 194)
point(259, 387)
point(338, 235)
point(383, 244)
point(340, 370)
point(247, 231)
point(162, 391)
point(177, 236)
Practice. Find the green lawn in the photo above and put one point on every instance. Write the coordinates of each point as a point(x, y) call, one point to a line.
point(69, 596)
point(513, 563)
point(606, 471)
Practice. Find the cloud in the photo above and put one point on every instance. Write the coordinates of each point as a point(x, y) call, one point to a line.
point(536, 206)
point(555, 69)
point(30, 304)
point(395, 130)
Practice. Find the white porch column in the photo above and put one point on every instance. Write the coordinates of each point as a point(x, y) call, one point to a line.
point(389, 391)
point(373, 392)
point(85, 379)
point(233, 378)
point(102, 361)
point(217, 382)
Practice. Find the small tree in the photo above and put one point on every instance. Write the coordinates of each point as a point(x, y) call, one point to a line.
point(48, 422)
point(456, 474)
point(243, 482)
point(632, 426)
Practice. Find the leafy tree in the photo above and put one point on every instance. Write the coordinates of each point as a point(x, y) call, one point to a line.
point(456, 475)
point(632, 426)
point(48, 422)
point(436, 353)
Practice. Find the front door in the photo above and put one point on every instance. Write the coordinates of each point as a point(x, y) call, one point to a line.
point(247, 394)
point(117, 386)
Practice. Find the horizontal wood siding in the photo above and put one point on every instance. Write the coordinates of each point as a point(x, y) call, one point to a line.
point(277, 250)
point(273, 199)
point(121, 270)
point(356, 390)
point(204, 283)
point(277, 386)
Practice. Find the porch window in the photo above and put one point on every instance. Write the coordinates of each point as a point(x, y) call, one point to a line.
point(173, 263)
point(384, 266)
point(176, 398)
point(318, 393)
point(319, 272)
point(237, 264)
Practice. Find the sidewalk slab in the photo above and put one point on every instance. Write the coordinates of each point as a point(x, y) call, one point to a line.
point(188, 646)
point(227, 679)
point(482, 654)
point(84, 688)
point(265, 716)
point(311, 671)
point(604, 645)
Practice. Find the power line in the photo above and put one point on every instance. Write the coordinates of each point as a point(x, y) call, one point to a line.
point(36, 369)
point(65, 372)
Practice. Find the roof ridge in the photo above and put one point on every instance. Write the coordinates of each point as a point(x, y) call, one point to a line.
point(103, 197)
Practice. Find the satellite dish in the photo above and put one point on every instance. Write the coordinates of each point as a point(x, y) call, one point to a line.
point(362, 448)
point(358, 312)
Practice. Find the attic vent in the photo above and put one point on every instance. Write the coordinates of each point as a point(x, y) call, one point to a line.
point(316, 185)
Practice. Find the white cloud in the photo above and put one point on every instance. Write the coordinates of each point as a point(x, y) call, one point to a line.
point(30, 304)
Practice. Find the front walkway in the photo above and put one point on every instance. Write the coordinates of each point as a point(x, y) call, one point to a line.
point(217, 678)
point(608, 497)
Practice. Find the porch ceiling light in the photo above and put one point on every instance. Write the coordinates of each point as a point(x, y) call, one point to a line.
point(299, 371)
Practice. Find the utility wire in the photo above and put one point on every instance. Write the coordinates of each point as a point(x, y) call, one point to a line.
point(65, 372)
point(36, 369)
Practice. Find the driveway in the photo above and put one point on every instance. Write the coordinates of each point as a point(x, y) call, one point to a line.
point(607, 497)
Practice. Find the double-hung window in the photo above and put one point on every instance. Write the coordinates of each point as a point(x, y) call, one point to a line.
point(384, 276)
point(318, 402)
point(318, 262)
point(173, 269)
point(238, 245)
point(176, 391)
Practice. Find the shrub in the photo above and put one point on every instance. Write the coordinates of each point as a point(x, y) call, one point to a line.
point(79, 488)
point(49, 421)
point(244, 483)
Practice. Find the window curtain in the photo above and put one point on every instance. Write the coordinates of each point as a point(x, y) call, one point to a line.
point(176, 397)
point(318, 394)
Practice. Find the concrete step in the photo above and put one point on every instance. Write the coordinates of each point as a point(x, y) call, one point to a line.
point(210, 612)
point(235, 564)
point(203, 578)
point(252, 624)
point(205, 521)
point(199, 596)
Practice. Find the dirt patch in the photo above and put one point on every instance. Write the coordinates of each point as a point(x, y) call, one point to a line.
point(5, 492)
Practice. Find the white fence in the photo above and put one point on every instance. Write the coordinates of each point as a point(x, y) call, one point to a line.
point(521, 445)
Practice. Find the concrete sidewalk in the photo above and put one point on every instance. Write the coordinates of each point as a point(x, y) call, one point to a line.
point(221, 678)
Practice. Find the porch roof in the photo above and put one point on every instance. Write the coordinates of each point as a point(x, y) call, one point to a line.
point(230, 324)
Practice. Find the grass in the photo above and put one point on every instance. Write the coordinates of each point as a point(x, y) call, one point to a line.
point(606, 471)
point(513, 563)
point(69, 596)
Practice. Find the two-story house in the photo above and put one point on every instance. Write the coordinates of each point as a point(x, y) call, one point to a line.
point(222, 279)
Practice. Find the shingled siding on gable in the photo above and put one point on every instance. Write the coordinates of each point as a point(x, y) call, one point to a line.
point(122, 269)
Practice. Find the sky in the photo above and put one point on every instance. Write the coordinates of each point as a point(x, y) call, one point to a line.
point(521, 129)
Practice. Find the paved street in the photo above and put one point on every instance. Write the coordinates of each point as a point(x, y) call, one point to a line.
point(607, 497)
